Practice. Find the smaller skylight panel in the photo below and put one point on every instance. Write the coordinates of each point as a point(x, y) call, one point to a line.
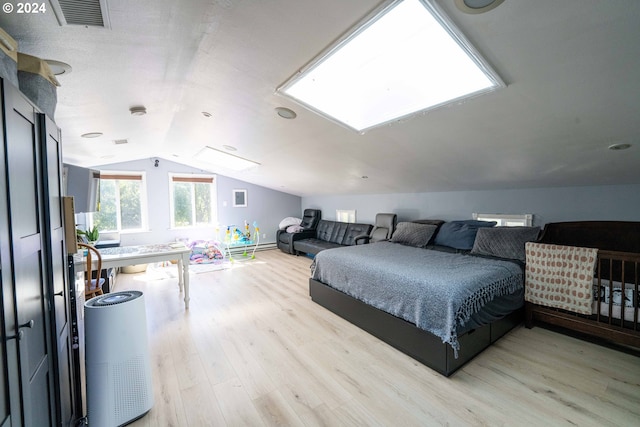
point(220, 158)
point(406, 59)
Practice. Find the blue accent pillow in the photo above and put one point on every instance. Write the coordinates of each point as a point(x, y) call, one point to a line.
point(460, 234)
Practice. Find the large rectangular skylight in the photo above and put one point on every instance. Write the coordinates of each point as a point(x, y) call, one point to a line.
point(407, 57)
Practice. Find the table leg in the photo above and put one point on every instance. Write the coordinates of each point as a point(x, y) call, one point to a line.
point(185, 274)
point(180, 274)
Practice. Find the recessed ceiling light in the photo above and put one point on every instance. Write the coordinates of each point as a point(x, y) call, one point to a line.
point(120, 141)
point(58, 68)
point(138, 110)
point(91, 135)
point(229, 147)
point(364, 177)
point(286, 113)
point(206, 114)
point(621, 146)
point(477, 6)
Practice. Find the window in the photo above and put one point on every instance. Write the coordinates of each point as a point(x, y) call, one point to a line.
point(193, 200)
point(346, 215)
point(507, 220)
point(407, 57)
point(123, 202)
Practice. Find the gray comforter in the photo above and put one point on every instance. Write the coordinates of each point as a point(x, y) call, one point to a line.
point(436, 291)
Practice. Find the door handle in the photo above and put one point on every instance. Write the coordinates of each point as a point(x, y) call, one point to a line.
point(58, 294)
point(20, 333)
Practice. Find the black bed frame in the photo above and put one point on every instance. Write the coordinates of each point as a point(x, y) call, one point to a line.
point(408, 338)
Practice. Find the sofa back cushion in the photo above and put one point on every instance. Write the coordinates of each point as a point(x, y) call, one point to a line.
point(331, 231)
point(342, 233)
point(354, 230)
point(325, 229)
point(310, 218)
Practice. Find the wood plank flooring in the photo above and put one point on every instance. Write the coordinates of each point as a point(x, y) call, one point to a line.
point(254, 350)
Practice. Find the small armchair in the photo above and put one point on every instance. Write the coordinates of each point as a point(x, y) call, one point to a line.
point(383, 228)
point(309, 223)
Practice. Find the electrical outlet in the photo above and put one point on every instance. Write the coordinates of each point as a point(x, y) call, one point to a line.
point(264, 235)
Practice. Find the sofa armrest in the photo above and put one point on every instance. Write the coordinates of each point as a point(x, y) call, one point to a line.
point(285, 240)
point(362, 239)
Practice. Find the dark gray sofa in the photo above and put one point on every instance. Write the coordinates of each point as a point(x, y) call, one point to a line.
point(331, 234)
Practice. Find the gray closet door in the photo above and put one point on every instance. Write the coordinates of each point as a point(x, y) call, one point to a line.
point(10, 408)
point(57, 279)
point(23, 160)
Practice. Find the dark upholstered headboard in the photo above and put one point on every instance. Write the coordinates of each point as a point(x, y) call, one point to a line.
point(622, 236)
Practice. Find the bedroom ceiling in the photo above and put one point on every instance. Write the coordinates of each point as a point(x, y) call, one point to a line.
point(571, 67)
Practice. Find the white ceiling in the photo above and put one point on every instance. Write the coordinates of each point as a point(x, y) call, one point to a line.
point(572, 69)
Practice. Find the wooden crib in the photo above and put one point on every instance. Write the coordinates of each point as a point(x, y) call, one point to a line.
point(616, 302)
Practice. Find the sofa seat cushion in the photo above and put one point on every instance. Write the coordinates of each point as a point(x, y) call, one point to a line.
point(313, 245)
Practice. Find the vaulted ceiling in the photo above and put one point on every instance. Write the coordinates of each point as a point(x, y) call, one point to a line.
point(571, 67)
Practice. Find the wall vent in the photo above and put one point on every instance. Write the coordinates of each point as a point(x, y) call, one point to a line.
point(92, 13)
point(121, 141)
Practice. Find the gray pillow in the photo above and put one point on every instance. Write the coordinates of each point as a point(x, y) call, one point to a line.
point(412, 234)
point(504, 242)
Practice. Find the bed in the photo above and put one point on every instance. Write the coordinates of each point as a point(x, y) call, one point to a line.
point(441, 307)
point(615, 300)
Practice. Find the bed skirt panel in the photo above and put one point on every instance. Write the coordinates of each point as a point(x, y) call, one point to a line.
point(419, 344)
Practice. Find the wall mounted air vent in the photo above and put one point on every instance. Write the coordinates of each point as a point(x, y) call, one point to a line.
point(92, 13)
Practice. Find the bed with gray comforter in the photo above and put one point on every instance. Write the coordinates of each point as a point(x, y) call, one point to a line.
point(442, 293)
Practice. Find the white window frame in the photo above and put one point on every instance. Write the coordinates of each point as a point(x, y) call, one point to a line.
point(214, 198)
point(346, 215)
point(106, 175)
point(506, 220)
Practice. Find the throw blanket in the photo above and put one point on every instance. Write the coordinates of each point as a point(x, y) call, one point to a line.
point(436, 291)
point(560, 276)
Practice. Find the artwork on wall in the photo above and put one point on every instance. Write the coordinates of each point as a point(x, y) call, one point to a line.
point(239, 198)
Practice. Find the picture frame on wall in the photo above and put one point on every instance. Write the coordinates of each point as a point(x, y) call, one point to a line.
point(239, 198)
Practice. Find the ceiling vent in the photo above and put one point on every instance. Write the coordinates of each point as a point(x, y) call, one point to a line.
point(92, 13)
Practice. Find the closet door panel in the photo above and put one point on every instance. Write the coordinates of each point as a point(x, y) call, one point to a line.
point(24, 177)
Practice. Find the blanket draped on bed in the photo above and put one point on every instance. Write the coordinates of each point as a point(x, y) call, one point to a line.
point(436, 291)
point(560, 276)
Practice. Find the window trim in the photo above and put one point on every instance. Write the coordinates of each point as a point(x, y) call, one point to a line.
point(193, 178)
point(144, 205)
point(525, 220)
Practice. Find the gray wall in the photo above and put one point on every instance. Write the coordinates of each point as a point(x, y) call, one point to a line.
point(615, 202)
point(268, 207)
point(265, 206)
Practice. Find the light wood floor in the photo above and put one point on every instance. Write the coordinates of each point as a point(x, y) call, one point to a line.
point(254, 350)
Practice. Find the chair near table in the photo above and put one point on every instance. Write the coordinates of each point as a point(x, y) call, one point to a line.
point(92, 286)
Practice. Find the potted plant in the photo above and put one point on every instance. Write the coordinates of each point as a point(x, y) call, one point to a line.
point(91, 236)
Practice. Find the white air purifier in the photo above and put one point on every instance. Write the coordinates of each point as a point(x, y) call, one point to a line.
point(117, 362)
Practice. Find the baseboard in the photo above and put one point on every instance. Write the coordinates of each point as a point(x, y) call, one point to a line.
point(261, 247)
